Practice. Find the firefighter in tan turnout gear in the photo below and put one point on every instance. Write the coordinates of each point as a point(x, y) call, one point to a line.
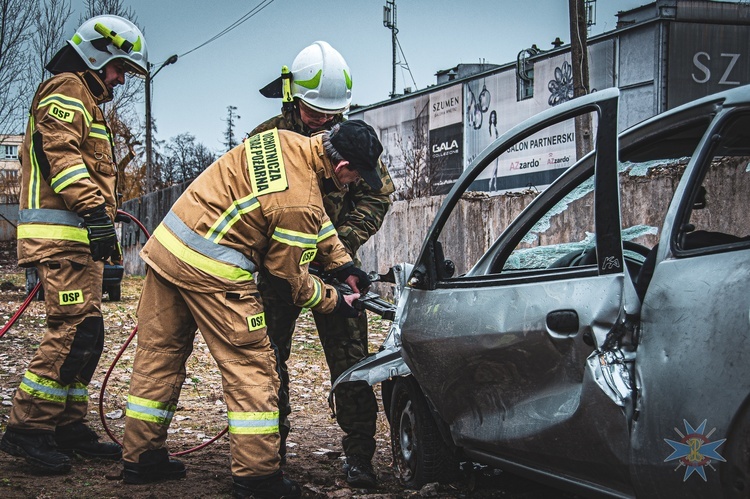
point(258, 207)
point(316, 93)
point(66, 231)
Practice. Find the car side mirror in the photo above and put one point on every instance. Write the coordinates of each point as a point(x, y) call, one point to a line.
point(449, 268)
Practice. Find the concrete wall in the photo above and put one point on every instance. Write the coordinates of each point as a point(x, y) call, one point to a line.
point(8, 221)
point(482, 219)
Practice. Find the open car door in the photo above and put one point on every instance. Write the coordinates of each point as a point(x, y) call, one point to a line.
point(537, 331)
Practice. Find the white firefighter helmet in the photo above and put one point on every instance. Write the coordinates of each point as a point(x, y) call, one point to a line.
point(104, 38)
point(321, 79)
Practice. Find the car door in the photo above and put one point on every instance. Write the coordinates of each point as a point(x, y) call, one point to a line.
point(503, 351)
point(692, 438)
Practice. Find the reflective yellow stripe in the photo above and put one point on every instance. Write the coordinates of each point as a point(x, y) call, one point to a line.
point(294, 238)
point(195, 259)
point(100, 131)
point(66, 102)
point(253, 423)
point(68, 176)
point(60, 232)
point(149, 410)
point(35, 179)
point(43, 388)
point(326, 231)
point(230, 216)
point(317, 295)
point(78, 392)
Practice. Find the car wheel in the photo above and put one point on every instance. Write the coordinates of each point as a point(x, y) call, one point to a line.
point(114, 292)
point(419, 452)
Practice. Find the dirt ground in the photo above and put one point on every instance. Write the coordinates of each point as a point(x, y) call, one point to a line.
point(314, 457)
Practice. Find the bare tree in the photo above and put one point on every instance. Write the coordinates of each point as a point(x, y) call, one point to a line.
point(185, 159)
point(101, 7)
point(49, 36)
point(10, 186)
point(229, 135)
point(203, 157)
point(419, 172)
point(16, 18)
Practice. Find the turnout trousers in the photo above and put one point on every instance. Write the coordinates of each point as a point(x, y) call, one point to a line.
point(54, 390)
point(232, 326)
point(344, 342)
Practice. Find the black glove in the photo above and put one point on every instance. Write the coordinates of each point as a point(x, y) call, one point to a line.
point(343, 309)
point(102, 236)
point(363, 281)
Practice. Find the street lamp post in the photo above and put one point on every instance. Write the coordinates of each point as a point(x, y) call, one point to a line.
point(149, 151)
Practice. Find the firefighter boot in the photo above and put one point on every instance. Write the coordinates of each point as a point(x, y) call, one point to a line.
point(39, 449)
point(359, 473)
point(153, 466)
point(79, 439)
point(274, 486)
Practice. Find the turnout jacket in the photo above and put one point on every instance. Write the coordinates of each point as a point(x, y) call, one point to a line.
point(356, 212)
point(67, 166)
point(259, 204)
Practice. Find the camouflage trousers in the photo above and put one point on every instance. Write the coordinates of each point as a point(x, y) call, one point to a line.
point(344, 342)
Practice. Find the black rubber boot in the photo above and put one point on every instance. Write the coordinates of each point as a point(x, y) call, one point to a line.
point(78, 439)
point(359, 473)
point(38, 448)
point(275, 486)
point(153, 466)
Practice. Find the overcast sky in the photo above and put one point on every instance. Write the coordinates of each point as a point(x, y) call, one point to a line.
point(192, 95)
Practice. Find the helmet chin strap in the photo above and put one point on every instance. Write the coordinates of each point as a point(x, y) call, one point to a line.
point(95, 80)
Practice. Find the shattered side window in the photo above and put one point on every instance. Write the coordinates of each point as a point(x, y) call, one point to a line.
point(565, 230)
point(511, 180)
point(560, 237)
point(646, 190)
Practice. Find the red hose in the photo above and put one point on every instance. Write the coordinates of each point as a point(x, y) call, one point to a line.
point(117, 358)
point(125, 345)
point(21, 309)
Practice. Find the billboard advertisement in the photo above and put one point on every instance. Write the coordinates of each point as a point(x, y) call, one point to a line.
point(705, 59)
point(402, 129)
point(446, 137)
point(493, 108)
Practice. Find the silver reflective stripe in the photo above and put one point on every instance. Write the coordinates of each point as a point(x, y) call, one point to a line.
point(204, 246)
point(44, 215)
point(152, 414)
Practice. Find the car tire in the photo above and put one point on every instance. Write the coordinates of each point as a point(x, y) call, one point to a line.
point(419, 452)
point(114, 292)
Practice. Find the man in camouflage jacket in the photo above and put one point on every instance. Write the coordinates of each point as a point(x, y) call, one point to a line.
point(357, 213)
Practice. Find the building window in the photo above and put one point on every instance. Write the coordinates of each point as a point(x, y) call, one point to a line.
point(525, 73)
point(11, 152)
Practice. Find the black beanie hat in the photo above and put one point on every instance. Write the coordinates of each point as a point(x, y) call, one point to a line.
point(358, 143)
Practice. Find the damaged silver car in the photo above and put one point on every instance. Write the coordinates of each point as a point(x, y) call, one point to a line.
point(597, 344)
